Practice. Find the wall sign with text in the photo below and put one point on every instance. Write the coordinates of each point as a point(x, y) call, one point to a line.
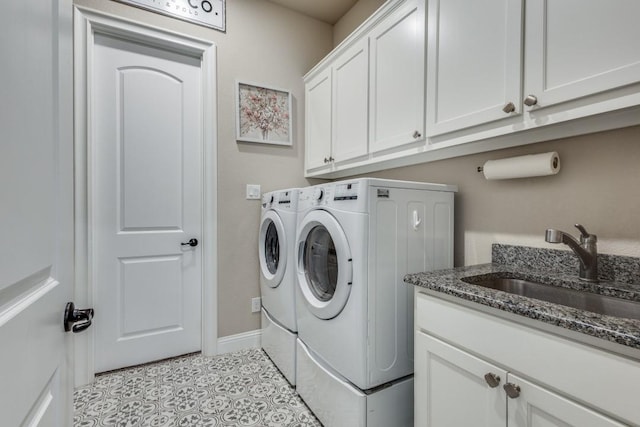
point(209, 13)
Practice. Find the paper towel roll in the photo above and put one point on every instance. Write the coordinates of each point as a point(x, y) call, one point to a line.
point(523, 166)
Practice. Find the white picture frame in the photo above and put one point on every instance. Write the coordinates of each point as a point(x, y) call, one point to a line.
point(263, 114)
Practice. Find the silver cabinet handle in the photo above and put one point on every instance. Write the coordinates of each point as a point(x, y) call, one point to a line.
point(417, 134)
point(509, 108)
point(530, 100)
point(513, 391)
point(492, 379)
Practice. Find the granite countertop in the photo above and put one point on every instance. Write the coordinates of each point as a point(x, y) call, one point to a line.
point(619, 278)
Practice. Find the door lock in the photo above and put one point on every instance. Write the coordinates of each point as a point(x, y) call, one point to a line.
point(76, 320)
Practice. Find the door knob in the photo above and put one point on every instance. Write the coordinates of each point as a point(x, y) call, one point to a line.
point(492, 379)
point(76, 320)
point(191, 242)
point(530, 100)
point(509, 108)
point(513, 391)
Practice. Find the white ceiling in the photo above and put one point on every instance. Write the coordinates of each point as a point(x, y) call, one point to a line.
point(329, 11)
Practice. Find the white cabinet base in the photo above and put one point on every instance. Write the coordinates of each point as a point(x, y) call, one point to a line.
point(280, 345)
point(338, 403)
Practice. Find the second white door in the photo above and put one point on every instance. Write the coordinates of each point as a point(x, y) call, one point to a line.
point(146, 202)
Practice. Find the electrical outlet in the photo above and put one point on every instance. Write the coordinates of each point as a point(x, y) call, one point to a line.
point(255, 304)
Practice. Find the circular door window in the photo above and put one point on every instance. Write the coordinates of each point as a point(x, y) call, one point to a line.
point(272, 249)
point(321, 263)
point(324, 264)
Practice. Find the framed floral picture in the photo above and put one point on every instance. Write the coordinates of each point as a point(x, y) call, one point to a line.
point(263, 114)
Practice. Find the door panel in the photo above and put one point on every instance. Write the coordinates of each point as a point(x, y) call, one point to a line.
point(140, 277)
point(451, 387)
point(36, 213)
point(397, 78)
point(350, 97)
point(318, 120)
point(146, 200)
point(539, 407)
point(568, 48)
point(149, 124)
point(475, 62)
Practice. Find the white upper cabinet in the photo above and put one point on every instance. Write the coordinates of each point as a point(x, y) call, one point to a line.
point(350, 100)
point(474, 63)
point(411, 86)
point(576, 48)
point(397, 78)
point(318, 120)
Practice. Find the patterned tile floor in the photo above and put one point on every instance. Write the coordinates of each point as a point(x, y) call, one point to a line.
point(235, 389)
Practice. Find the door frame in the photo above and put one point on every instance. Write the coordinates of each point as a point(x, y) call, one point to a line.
point(87, 23)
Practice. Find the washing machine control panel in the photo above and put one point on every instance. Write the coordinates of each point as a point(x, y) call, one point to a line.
point(346, 191)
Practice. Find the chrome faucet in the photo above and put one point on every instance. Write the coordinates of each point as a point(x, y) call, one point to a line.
point(586, 250)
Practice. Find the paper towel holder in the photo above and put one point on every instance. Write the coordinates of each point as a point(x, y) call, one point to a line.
point(526, 166)
point(555, 164)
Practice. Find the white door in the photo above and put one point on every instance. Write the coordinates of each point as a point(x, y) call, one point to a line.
point(454, 388)
point(538, 407)
point(36, 212)
point(350, 103)
point(318, 120)
point(474, 63)
point(146, 186)
point(575, 48)
point(397, 78)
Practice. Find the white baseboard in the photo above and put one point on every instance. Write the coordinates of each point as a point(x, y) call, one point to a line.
point(237, 342)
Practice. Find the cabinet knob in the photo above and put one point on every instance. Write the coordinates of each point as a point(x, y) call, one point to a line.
point(509, 108)
point(326, 160)
point(530, 100)
point(492, 379)
point(331, 159)
point(512, 390)
point(417, 134)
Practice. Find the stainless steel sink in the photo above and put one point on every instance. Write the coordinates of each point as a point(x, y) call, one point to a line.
point(582, 300)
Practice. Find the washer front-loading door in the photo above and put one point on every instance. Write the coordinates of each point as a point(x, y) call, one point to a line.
point(272, 248)
point(324, 264)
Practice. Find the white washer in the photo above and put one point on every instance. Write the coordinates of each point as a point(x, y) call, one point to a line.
point(356, 240)
point(277, 278)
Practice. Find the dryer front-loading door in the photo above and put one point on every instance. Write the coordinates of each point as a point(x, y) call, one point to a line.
point(324, 264)
point(272, 247)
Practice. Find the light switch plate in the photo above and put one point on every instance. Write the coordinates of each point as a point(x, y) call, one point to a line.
point(253, 192)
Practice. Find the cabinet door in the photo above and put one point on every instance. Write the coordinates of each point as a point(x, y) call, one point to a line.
point(451, 390)
point(350, 101)
point(318, 120)
point(474, 63)
point(575, 48)
point(397, 78)
point(539, 407)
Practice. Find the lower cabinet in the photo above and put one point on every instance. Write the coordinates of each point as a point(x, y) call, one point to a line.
point(455, 388)
point(476, 369)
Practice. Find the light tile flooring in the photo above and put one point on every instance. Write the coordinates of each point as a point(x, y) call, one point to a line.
point(235, 389)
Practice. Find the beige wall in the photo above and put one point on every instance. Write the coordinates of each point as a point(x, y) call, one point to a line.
point(598, 186)
point(353, 18)
point(267, 44)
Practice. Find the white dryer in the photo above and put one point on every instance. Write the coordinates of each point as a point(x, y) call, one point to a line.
point(277, 278)
point(356, 240)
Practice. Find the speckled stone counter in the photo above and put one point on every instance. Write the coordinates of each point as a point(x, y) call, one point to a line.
point(620, 277)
